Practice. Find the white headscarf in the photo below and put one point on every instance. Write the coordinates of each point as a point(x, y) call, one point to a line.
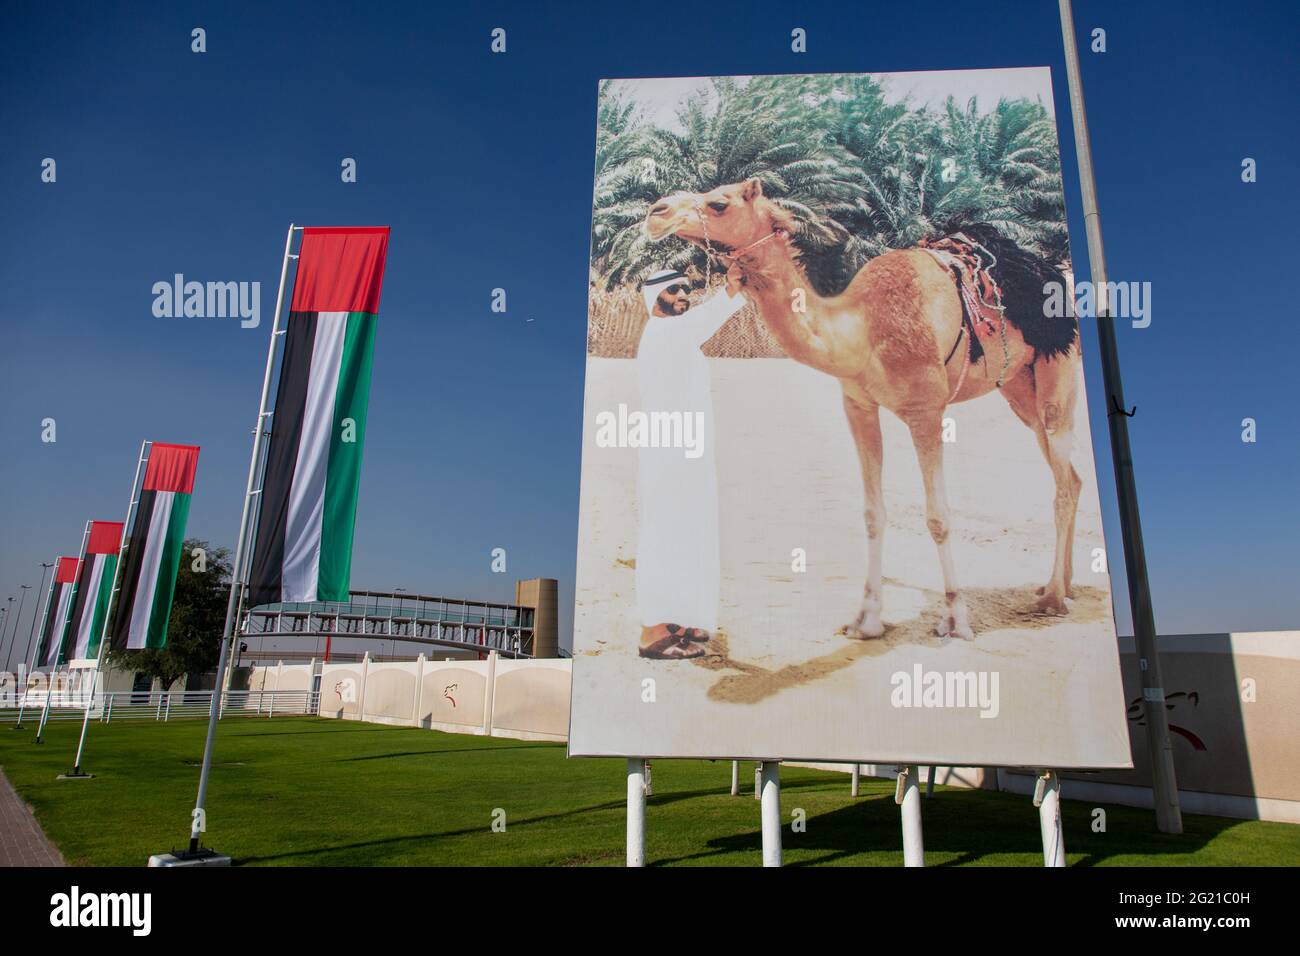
point(654, 285)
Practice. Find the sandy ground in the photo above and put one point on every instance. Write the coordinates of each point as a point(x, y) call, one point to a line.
point(780, 681)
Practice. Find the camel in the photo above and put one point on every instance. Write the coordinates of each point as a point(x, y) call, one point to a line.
point(891, 339)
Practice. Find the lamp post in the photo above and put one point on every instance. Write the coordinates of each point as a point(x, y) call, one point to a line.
point(14, 637)
point(9, 606)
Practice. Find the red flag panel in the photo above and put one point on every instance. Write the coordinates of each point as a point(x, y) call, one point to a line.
point(340, 269)
point(105, 537)
point(171, 468)
point(67, 572)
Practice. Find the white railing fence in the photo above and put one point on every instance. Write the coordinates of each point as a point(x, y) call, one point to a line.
point(163, 705)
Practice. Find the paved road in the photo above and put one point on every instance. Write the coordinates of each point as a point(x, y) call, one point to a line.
point(22, 841)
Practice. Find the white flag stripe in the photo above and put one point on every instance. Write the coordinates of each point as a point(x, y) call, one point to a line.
point(81, 648)
point(60, 621)
point(307, 496)
point(142, 607)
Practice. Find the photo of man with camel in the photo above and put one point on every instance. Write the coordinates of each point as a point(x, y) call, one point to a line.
point(898, 469)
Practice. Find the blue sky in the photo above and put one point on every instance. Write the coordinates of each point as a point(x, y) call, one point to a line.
point(169, 161)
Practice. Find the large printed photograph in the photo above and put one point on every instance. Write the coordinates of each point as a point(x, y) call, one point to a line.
point(838, 495)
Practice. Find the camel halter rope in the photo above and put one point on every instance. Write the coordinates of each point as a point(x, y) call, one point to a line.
point(734, 255)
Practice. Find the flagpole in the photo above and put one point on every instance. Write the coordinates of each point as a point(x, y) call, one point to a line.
point(253, 523)
point(132, 501)
point(31, 628)
point(22, 705)
point(1169, 817)
point(49, 690)
point(198, 822)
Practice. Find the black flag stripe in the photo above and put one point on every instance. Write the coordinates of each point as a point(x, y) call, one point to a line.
point(130, 579)
point(281, 459)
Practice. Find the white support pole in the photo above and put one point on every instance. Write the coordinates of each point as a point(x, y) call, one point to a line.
point(908, 796)
point(489, 698)
point(758, 781)
point(132, 500)
point(770, 811)
point(241, 546)
point(361, 691)
point(857, 779)
point(61, 634)
point(419, 690)
point(635, 811)
point(1047, 798)
point(735, 778)
point(22, 704)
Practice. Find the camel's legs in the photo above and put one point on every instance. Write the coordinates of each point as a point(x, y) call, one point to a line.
point(927, 437)
point(864, 423)
point(1044, 399)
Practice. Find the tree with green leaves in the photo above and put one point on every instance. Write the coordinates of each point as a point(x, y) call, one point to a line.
point(197, 618)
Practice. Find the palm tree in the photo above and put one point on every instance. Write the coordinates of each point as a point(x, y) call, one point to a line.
point(727, 133)
point(1009, 174)
point(862, 175)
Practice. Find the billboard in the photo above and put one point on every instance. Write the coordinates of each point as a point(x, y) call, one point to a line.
point(838, 496)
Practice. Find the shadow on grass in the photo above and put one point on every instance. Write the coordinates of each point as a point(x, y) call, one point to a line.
point(415, 838)
point(422, 753)
point(965, 827)
point(304, 729)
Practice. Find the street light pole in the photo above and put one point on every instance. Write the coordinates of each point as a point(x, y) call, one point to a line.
point(9, 608)
point(14, 638)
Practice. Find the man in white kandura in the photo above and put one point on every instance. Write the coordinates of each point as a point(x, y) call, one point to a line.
point(678, 565)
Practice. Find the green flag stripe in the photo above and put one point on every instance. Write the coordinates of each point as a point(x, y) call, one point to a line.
point(343, 477)
point(169, 562)
point(102, 600)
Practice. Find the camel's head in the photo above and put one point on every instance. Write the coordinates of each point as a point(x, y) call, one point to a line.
point(730, 217)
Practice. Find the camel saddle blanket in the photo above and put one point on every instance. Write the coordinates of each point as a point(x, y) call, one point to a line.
point(970, 264)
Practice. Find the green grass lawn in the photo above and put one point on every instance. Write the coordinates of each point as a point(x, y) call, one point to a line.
point(302, 791)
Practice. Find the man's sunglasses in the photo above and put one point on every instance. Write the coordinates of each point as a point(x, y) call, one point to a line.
point(678, 287)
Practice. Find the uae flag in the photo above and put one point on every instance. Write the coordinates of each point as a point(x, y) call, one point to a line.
point(303, 549)
point(93, 590)
point(56, 613)
point(153, 551)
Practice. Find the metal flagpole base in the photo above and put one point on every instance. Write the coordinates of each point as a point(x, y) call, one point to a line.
point(76, 775)
point(201, 857)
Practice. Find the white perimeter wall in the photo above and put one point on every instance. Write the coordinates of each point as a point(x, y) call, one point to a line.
point(1231, 699)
